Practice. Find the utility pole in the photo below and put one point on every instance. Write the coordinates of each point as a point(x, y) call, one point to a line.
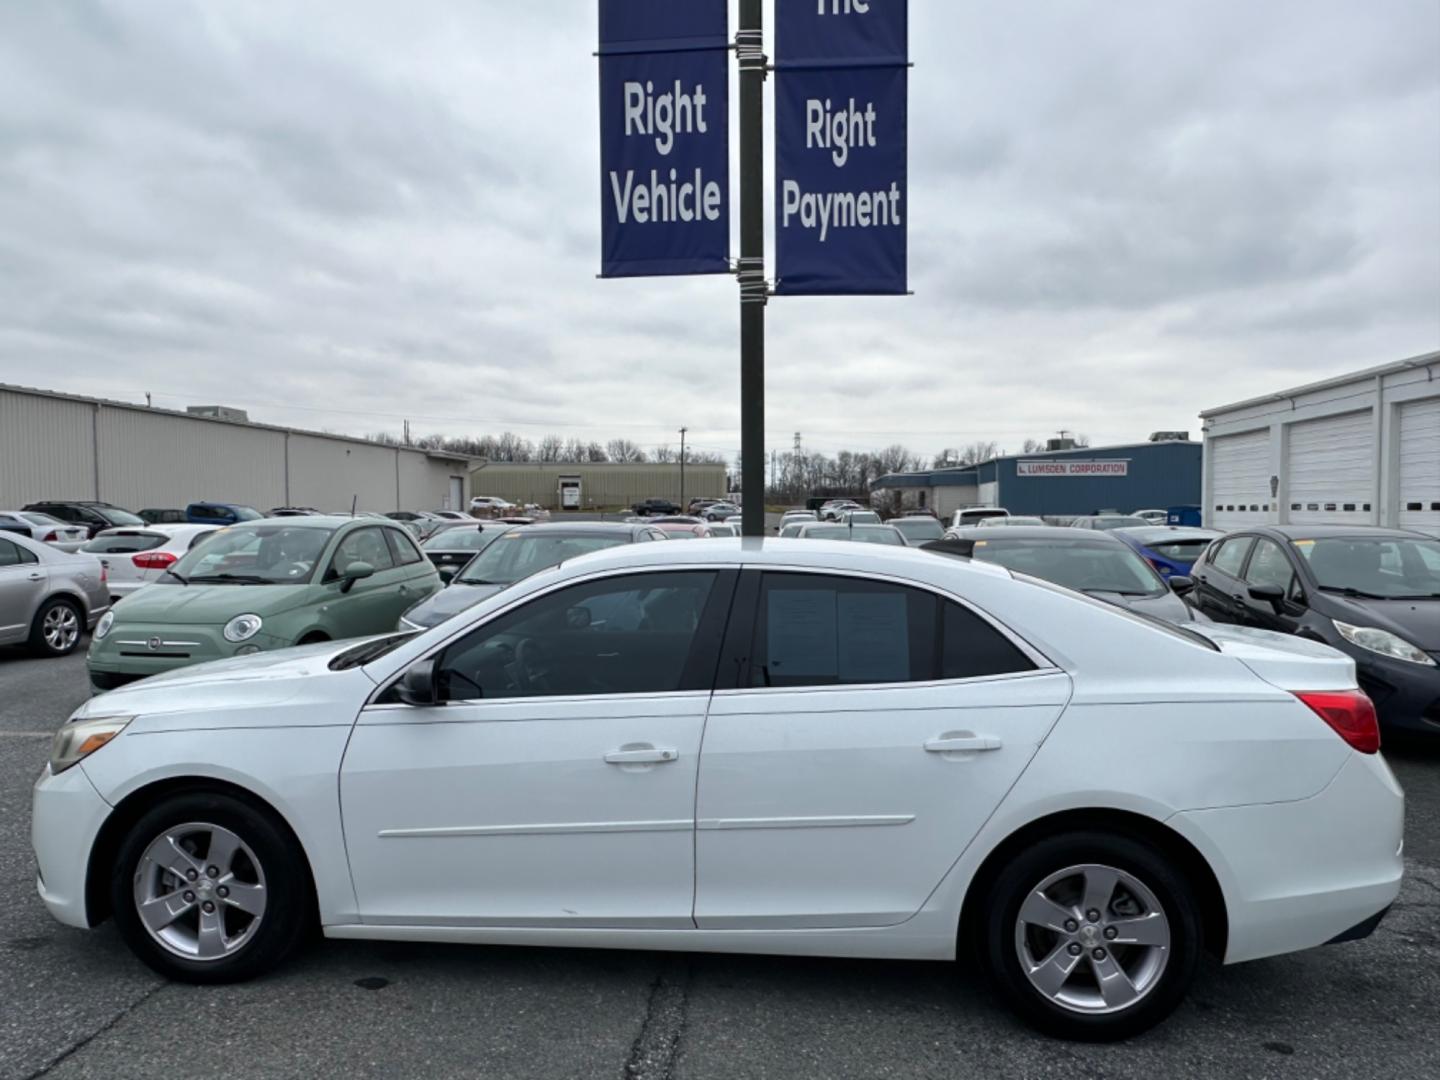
point(750, 52)
point(682, 468)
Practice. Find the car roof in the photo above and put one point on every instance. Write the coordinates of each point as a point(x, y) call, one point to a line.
point(1039, 532)
point(1148, 533)
point(1324, 532)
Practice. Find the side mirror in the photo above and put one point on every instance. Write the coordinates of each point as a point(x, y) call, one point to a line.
point(356, 571)
point(417, 685)
point(1273, 595)
point(1182, 585)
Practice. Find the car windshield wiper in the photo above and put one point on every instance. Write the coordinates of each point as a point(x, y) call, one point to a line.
point(476, 581)
point(1120, 592)
point(177, 577)
point(238, 579)
point(1347, 590)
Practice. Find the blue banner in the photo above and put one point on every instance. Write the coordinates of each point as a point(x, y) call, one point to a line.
point(664, 137)
point(840, 147)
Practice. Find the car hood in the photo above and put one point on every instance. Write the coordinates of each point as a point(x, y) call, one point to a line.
point(1167, 606)
point(449, 601)
point(193, 605)
point(255, 682)
point(1417, 621)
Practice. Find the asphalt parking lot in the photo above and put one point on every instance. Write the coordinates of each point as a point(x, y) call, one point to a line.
point(75, 1004)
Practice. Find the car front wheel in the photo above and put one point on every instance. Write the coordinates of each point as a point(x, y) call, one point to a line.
point(208, 888)
point(1091, 935)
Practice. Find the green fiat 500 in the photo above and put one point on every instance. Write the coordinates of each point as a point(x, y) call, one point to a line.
point(263, 585)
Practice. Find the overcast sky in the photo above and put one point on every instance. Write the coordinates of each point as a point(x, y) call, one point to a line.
point(338, 215)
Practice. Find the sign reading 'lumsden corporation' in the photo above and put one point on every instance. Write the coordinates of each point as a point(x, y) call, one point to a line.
point(1072, 468)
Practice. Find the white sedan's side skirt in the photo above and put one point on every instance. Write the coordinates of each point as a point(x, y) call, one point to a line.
point(904, 942)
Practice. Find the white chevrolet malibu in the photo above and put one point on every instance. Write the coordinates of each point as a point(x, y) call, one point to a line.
point(800, 747)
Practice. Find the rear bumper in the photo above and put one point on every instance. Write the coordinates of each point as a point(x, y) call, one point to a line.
point(67, 815)
point(1300, 874)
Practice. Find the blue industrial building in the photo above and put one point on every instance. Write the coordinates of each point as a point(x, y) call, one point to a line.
point(1057, 483)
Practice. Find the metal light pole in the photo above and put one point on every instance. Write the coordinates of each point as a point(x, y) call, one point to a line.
point(682, 469)
point(750, 52)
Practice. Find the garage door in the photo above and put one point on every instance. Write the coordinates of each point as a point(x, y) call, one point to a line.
point(1240, 480)
point(1418, 432)
point(1332, 470)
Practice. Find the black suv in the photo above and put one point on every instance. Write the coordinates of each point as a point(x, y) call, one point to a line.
point(90, 514)
point(1372, 593)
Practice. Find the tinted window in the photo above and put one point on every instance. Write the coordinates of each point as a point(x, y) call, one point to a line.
point(463, 538)
point(14, 554)
point(919, 529)
point(1389, 567)
point(120, 517)
point(814, 630)
point(621, 635)
point(402, 548)
point(1269, 566)
point(1077, 563)
point(1230, 556)
point(519, 554)
point(126, 542)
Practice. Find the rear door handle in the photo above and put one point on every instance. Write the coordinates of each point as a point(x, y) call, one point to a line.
point(641, 755)
point(953, 744)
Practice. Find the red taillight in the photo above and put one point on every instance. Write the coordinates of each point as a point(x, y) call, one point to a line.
point(51, 537)
point(153, 560)
point(1350, 712)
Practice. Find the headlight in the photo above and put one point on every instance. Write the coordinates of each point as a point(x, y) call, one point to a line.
point(103, 626)
point(79, 739)
point(243, 627)
point(1382, 642)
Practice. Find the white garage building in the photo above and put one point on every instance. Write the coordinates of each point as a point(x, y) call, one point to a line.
point(62, 446)
point(1357, 449)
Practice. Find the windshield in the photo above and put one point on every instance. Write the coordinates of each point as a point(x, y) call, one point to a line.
point(1181, 551)
point(519, 554)
point(277, 554)
point(38, 519)
point(1117, 521)
point(463, 539)
point(1384, 568)
point(864, 534)
point(119, 517)
point(1089, 568)
point(917, 529)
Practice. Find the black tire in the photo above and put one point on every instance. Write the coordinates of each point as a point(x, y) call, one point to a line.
point(289, 905)
point(56, 607)
point(1000, 914)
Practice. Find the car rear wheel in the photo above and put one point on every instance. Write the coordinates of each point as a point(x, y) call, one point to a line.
point(207, 888)
point(57, 627)
point(1091, 935)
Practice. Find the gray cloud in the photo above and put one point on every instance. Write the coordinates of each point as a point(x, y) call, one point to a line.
point(343, 214)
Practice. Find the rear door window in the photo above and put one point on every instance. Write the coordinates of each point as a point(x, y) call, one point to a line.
point(821, 630)
point(402, 548)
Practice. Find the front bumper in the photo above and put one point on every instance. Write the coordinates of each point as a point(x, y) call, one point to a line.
point(136, 651)
point(67, 813)
point(1406, 695)
point(1300, 874)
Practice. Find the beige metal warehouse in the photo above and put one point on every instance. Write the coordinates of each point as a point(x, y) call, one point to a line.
point(594, 487)
point(62, 446)
point(1361, 449)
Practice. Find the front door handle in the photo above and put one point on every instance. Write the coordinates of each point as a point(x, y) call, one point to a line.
point(37, 577)
point(641, 755)
point(961, 743)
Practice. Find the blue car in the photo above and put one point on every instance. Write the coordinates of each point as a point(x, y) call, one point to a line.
point(1170, 549)
point(211, 513)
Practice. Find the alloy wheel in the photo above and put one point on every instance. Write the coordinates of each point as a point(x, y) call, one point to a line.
point(1092, 939)
point(61, 628)
point(200, 891)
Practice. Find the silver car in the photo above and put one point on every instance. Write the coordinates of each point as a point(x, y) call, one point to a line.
point(48, 598)
point(44, 528)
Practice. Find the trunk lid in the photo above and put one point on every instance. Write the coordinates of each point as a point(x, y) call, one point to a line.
point(1291, 663)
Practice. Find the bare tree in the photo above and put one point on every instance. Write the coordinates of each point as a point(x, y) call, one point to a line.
point(977, 452)
point(551, 448)
point(624, 450)
point(595, 454)
point(663, 455)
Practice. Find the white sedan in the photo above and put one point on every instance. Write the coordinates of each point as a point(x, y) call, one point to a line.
point(43, 527)
point(783, 747)
point(134, 556)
